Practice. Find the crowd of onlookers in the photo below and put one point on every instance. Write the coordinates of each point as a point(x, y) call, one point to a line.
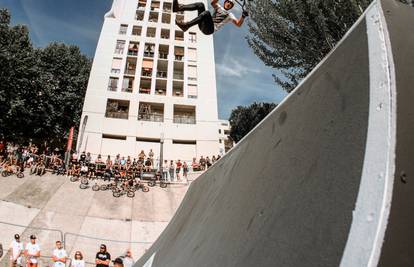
point(29, 255)
point(21, 157)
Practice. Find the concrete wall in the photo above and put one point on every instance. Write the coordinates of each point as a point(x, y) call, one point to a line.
point(312, 185)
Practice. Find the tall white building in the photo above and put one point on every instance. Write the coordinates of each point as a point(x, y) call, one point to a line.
point(150, 82)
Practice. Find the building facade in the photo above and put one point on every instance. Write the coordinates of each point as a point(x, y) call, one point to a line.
point(226, 142)
point(150, 83)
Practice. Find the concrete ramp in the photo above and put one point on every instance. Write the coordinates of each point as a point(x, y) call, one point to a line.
point(327, 178)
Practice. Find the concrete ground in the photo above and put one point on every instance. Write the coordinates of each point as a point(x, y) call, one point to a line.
point(85, 218)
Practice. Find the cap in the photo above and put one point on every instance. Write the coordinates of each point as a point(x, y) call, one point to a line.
point(16, 236)
point(118, 260)
point(32, 237)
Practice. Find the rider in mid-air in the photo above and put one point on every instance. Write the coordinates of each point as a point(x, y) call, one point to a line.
point(207, 22)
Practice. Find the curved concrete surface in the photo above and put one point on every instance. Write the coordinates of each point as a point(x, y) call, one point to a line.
point(317, 182)
point(53, 202)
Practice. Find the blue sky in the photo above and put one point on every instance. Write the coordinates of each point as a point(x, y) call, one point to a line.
point(241, 77)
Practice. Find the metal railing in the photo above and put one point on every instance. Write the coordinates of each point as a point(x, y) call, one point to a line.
point(116, 114)
point(184, 119)
point(156, 117)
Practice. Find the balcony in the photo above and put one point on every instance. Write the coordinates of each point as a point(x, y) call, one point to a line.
point(184, 119)
point(117, 109)
point(151, 112)
point(162, 74)
point(153, 17)
point(166, 18)
point(146, 73)
point(155, 117)
point(178, 76)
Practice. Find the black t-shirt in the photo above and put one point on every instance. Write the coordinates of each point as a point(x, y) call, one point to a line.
point(82, 157)
point(103, 256)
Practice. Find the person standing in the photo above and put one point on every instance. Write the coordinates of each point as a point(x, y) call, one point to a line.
point(59, 255)
point(32, 252)
point(103, 258)
point(151, 156)
point(16, 250)
point(128, 260)
point(185, 170)
point(165, 171)
point(78, 261)
point(178, 169)
point(171, 170)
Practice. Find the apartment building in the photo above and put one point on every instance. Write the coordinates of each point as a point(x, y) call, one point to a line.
point(150, 83)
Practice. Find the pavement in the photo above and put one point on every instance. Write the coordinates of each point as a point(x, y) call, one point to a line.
point(326, 178)
point(52, 208)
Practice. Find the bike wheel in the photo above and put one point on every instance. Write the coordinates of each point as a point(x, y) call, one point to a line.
point(116, 194)
point(84, 180)
point(20, 175)
point(95, 187)
point(131, 194)
point(151, 183)
point(4, 173)
point(73, 178)
point(145, 188)
point(103, 187)
point(163, 184)
point(83, 186)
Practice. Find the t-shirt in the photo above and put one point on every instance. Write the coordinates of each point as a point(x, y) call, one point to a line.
point(31, 250)
point(103, 256)
point(221, 17)
point(128, 262)
point(16, 247)
point(78, 263)
point(59, 253)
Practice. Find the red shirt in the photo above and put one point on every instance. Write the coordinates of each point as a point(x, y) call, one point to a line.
point(179, 164)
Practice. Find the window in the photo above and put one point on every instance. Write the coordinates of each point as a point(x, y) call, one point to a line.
point(149, 50)
point(220, 141)
point(165, 34)
point(184, 114)
point(115, 137)
point(179, 35)
point(117, 109)
point(151, 32)
point(133, 49)
point(128, 84)
point(123, 29)
point(179, 53)
point(151, 112)
point(136, 30)
point(142, 4)
point(147, 65)
point(161, 87)
point(163, 51)
point(192, 73)
point(192, 54)
point(162, 69)
point(192, 37)
point(166, 18)
point(192, 91)
point(178, 88)
point(145, 86)
point(155, 6)
point(116, 65)
point(219, 131)
point(153, 17)
point(113, 84)
point(139, 15)
point(131, 65)
point(120, 46)
point(185, 142)
point(166, 7)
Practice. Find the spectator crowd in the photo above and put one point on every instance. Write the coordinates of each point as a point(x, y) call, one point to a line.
point(29, 255)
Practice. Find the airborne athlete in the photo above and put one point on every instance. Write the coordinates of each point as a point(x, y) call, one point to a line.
point(207, 22)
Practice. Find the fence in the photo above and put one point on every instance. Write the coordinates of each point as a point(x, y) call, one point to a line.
point(72, 242)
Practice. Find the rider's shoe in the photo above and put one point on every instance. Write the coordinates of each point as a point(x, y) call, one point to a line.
point(182, 25)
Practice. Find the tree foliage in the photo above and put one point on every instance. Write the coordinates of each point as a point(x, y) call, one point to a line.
point(244, 119)
point(292, 36)
point(41, 89)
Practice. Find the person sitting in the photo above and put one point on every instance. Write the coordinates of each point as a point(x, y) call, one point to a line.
point(148, 165)
point(208, 23)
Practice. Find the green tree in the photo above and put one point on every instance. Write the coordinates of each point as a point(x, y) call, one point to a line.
point(41, 90)
point(292, 36)
point(244, 119)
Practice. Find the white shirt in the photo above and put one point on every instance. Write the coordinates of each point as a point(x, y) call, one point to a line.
point(16, 247)
point(59, 253)
point(31, 250)
point(128, 261)
point(221, 17)
point(78, 263)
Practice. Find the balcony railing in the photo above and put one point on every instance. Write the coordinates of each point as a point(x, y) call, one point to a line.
point(128, 90)
point(146, 73)
point(178, 58)
point(145, 90)
point(162, 74)
point(163, 55)
point(117, 114)
point(160, 91)
point(148, 54)
point(184, 119)
point(112, 88)
point(132, 52)
point(178, 76)
point(130, 71)
point(156, 117)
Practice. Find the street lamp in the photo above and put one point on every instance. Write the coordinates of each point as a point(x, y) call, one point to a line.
point(161, 152)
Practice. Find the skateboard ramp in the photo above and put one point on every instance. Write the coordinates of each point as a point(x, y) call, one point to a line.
point(325, 179)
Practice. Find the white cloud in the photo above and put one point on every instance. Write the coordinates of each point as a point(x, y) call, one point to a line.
point(234, 67)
